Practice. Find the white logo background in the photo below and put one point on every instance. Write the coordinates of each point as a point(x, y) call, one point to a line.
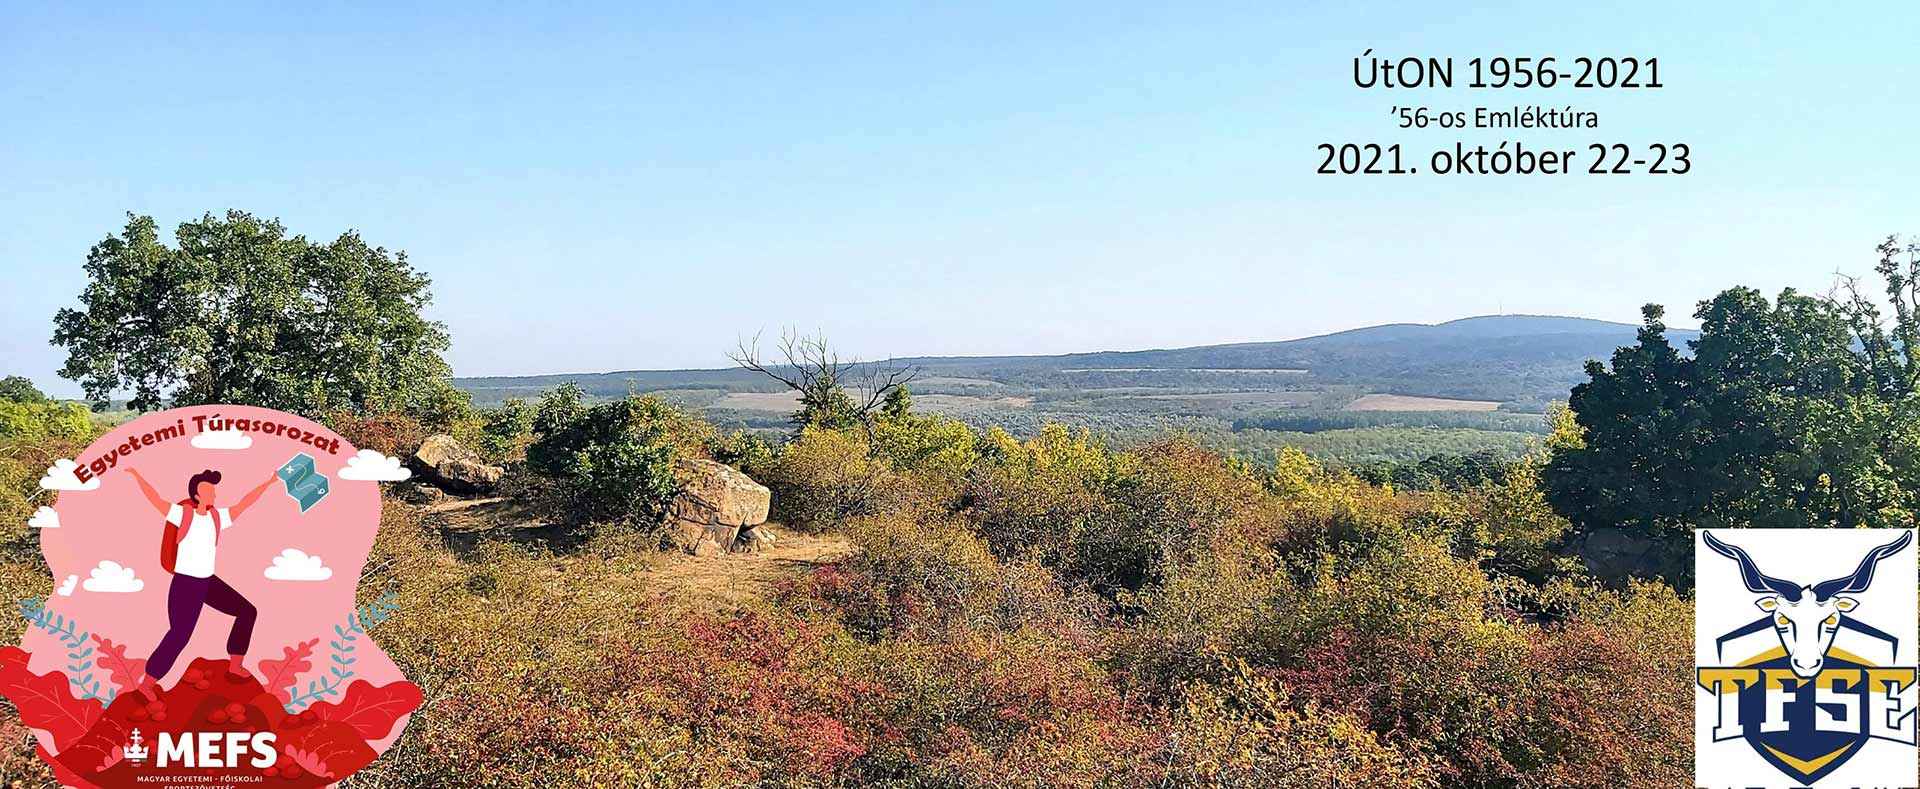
point(1804, 556)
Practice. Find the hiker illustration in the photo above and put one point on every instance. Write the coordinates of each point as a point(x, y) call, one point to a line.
point(191, 539)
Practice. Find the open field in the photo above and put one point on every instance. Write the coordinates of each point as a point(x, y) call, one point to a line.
point(788, 402)
point(1390, 402)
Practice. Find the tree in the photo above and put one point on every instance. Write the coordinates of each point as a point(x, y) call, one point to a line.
point(811, 367)
point(20, 389)
point(238, 311)
point(1794, 413)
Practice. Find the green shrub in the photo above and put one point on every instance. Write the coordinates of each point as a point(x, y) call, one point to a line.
point(506, 431)
point(612, 462)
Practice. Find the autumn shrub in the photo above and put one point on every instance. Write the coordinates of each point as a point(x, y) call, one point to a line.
point(923, 578)
point(509, 644)
point(1180, 503)
point(34, 433)
point(743, 450)
point(390, 432)
point(1245, 729)
point(1053, 611)
point(1605, 697)
point(1204, 614)
point(1035, 498)
point(1021, 708)
point(935, 451)
point(825, 477)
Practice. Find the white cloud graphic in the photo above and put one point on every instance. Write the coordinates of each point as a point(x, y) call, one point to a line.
point(111, 577)
point(60, 476)
point(371, 466)
point(294, 564)
point(222, 439)
point(44, 518)
point(66, 589)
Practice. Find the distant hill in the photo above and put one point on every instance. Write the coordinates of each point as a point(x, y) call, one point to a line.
point(1522, 361)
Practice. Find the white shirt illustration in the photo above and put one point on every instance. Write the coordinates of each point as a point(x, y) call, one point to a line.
point(196, 551)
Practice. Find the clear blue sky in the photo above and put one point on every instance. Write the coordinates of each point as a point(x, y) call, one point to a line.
point(635, 185)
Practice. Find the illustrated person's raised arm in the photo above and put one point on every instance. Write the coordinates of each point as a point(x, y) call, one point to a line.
point(160, 505)
point(252, 496)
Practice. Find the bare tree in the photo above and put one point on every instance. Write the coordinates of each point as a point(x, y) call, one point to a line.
point(828, 385)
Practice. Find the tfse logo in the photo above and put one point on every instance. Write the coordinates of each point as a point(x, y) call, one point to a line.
point(1808, 687)
point(215, 749)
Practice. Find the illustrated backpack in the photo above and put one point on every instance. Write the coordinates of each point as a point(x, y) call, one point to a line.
point(172, 535)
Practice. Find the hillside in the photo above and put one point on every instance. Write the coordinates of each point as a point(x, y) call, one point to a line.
point(1504, 357)
point(1478, 382)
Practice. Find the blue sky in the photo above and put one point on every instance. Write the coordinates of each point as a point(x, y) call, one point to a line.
point(629, 185)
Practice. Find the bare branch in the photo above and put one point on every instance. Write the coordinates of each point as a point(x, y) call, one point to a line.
point(809, 363)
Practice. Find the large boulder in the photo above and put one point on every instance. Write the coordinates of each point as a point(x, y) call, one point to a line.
point(454, 466)
point(716, 493)
point(716, 505)
point(704, 539)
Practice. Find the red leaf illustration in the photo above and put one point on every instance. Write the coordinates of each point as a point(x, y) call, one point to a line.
point(280, 675)
point(328, 748)
point(369, 710)
point(44, 701)
point(125, 672)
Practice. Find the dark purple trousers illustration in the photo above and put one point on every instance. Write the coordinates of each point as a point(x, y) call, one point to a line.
point(185, 598)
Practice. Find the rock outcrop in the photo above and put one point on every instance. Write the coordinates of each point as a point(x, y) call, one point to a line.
point(717, 506)
point(450, 465)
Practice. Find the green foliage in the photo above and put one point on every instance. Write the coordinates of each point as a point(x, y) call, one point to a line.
point(825, 404)
point(1785, 415)
point(20, 389)
point(743, 450)
point(506, 431)
point(1437, 472)
point(612, 462)
point(238, 311)
point(1384, 446)
point(34, 434)
point(1315, 421)
point(933, 449)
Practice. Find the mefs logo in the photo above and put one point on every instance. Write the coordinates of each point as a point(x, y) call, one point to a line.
point(1818, 690)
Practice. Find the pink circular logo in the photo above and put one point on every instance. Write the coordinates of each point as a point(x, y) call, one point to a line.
point(204, 624)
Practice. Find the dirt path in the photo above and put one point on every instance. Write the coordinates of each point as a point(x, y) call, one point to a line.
point(737, 578)
point(730, 579)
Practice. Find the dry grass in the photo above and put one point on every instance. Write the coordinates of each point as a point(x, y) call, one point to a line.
point(1392, 402)
point(736, 579)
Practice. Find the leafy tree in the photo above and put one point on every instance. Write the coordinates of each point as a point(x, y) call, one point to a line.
point(20, 389)
point(239, 311)
point(1795, 413)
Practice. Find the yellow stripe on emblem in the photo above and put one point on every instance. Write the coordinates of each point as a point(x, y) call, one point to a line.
point(1809, 767)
